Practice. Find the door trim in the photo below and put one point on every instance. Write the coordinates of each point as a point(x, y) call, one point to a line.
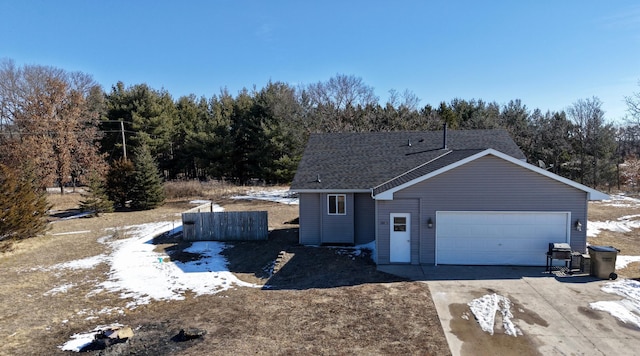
point(402, 255)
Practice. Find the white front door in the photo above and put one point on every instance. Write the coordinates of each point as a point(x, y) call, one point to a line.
point(400, 238)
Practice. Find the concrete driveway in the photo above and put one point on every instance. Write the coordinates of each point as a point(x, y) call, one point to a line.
point(550, 309)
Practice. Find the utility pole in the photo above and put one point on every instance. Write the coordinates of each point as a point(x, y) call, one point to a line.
point(124, 143)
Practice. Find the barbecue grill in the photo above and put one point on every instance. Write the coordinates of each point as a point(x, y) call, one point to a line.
point(558, 251)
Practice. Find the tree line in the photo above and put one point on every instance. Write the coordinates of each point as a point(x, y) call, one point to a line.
point(261, 133)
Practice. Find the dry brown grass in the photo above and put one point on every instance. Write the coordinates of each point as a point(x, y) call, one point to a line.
point(65, 201)
point(324, 302)
point(212, 190)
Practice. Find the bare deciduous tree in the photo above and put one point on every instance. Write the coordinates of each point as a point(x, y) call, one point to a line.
point(633, 106)
point(594, 138)
point(50, 120)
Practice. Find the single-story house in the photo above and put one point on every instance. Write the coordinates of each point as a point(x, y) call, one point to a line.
point(437, 197)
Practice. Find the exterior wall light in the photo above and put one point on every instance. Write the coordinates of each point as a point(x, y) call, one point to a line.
point(429, 223)
point(578, 225)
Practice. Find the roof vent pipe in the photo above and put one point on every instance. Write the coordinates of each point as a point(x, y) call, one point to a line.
point(444, 136)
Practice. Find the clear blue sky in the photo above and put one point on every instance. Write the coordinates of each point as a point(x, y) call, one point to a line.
point(546, 53)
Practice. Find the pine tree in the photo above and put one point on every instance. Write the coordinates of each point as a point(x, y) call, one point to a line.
point(120, 182)
point(22, 207)
point(95, 199)
point(147, 192)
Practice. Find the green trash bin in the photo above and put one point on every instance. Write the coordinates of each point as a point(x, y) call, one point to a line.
point(603, 261)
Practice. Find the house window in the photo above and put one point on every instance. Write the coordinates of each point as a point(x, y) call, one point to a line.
point(337, 204)
point(399, 223)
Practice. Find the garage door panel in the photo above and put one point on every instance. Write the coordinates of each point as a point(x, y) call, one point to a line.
point(498, 238)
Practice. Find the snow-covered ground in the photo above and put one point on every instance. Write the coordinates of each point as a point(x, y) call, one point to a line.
point(622, 201)
point(626, 309)
point(622, 224)
point(485, 308)
point(141, 275)
point(623, 261)
point(283, 196)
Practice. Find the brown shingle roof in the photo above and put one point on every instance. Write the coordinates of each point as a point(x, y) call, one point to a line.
point(355, 161)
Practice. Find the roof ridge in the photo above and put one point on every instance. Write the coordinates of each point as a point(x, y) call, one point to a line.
point(413, 169)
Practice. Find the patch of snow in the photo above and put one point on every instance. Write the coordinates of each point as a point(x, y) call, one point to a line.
point(71, 233)
point(111, 310)
point(629, 217)
point(623, 261)
point(80, 341)
point(357, 250)
point(268, 269)
point(622, 224)
point(371, 246)
point(626, 310)
point(283, 196)
point(204, 207)
point(77, 216)
point(85, 263)
point(66, 190)
point(140, 273)
point(622, 201)
point(485, 308)
point(60, 289)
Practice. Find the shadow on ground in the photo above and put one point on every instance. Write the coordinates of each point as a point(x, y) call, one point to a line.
point(63, 214)
point(460, 272)
point(281, 263)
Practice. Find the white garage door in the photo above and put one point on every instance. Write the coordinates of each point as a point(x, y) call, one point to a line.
point(498, 238)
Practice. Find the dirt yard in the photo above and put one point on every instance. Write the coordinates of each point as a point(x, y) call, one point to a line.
point(320, 301)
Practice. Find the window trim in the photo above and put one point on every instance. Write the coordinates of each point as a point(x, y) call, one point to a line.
point(337, 204)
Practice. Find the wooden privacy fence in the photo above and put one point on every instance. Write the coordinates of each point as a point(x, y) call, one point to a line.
point(225, 226)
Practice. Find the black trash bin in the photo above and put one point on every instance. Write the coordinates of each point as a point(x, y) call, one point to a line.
point(603, 261)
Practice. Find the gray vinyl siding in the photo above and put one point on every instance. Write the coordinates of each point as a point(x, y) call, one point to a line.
point(310, 215)
point(337, 228)
point(364, 218)
point(486, 184)
point(385, 208)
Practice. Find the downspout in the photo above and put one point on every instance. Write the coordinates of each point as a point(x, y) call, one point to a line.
point(375, 228)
